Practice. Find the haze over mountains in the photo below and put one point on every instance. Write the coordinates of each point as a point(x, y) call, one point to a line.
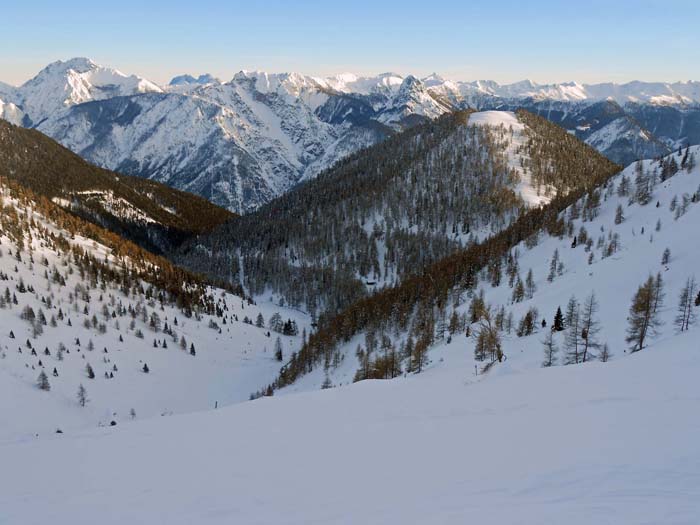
point(242, 142)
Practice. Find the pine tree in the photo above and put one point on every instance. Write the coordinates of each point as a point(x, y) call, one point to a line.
point(558, 324)
point(260, 321)
point(666, 257)
point(518, 291)
point(686, 313)
point(43, 382)
point(643, 319)
point(89, 371)
point(82, 396)
point(643, 193)
point(278, 349)
point(550, 349)
point(619, 216)
point(530, 287)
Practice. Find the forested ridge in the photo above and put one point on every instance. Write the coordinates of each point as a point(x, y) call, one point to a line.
point(136, 265)
point(419, 301)
point(391, 210)
point(123, 204)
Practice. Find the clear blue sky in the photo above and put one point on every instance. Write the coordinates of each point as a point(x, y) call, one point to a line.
point(546, 41)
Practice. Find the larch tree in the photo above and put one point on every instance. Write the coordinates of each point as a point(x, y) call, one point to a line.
point(551, 349)
point(572, 339)
point(419, 357)
point(686, 312)
point(553, 266)
point(590, 327)
point(643, 318)
point(488, 340)
point(658, 293)
point(82, 396)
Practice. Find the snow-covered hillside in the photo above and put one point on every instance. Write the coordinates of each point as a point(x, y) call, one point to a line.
point(513, 151)
point(60, 313)
point(11, 113)
point(609, 442)
point(608, 438)
point(618, 246)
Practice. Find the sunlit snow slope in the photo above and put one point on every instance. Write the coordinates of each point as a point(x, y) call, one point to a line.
point(90, 320)
point(599, 442)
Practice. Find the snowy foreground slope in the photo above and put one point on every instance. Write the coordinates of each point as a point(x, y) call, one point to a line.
point(90, 322)
point(597, 442)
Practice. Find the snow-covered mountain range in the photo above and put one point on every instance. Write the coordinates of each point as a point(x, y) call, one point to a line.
point(242, 142)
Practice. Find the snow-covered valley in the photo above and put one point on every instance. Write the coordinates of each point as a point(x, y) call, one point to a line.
point(59, 318)
point(608, 442)
point(608, 438)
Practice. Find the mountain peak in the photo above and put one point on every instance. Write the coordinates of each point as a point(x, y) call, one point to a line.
point(205, 78)
point(77, 64)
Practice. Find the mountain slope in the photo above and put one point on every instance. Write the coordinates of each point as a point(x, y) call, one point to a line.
point(121, 203)
point(237, 144)
point(497, 450)
point(73, 295)
point(606, 126)
point(63, 84)
point(389, 211)
point(608, 241)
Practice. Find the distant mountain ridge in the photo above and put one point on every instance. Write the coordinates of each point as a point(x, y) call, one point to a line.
point(243, 142)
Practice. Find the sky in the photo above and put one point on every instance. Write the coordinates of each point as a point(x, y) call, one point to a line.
point(542, 40)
